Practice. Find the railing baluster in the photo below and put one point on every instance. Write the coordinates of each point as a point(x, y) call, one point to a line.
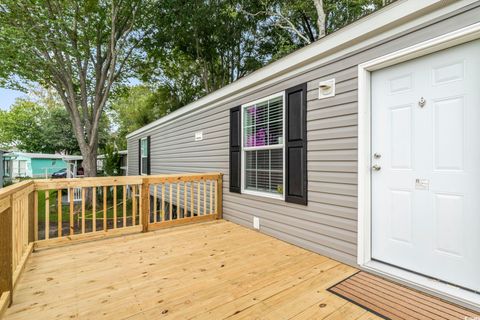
point(171, 202)
point(72, 229)
point(145, 206)
point(185, 199)
point(219, 197)
point(105, 208)
point(134, 204)
point(47, 214)
point(216, 195)
point(155, 190)
point(94, 209)
point(211, 197)
point(204, 197)
point(83, 210)
point(59, 212)
point(192, 204)
point(114, 207)
point(178, 200)
point(124, 206)
point(140, 204)
point(199, 213)
point(35, 215)
point(163, 203)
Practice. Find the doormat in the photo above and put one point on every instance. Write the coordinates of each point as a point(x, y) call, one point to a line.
point(393, 301)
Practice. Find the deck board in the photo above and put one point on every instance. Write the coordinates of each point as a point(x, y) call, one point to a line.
point(212, 270)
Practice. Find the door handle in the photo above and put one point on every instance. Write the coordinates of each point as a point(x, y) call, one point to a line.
point(376, 167)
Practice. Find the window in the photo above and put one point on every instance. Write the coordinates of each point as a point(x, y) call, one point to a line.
point(263, 147)
point(144, 156)
point(6, 168)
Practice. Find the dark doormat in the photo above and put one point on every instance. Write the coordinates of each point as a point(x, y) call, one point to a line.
point(393, 301)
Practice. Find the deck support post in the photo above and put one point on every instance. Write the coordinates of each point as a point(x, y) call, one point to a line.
point(145, 205)
point(6, 248)
point(219, 197)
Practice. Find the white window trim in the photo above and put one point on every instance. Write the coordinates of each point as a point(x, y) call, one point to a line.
point(142, 157)
point(364, 254)
point(278, 146)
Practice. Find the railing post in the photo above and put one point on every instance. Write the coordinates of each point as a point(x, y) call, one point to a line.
point(219, 197)
point(145, 204)
point(31, 217)
point(6, 247)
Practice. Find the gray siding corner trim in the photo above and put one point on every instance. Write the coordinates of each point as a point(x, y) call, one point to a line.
point(328, 224)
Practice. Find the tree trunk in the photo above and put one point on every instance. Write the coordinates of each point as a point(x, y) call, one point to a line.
point(89, 163)
point(321, 18)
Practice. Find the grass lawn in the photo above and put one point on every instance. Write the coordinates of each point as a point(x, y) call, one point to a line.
point(78, 207)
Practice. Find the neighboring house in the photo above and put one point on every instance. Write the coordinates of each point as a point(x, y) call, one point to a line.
point(123, 162)
point(363, 146)
point(33, 165)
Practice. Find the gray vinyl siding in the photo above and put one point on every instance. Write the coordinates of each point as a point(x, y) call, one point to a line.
point(132, 157)
point(328, 225)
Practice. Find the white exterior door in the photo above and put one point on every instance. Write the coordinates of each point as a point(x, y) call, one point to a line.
point(426, 142)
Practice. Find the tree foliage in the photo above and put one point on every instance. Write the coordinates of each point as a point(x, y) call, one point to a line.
point(88, 50)
point(111, 161)
point(200, 46)
point(81, 48)
point(40, 125)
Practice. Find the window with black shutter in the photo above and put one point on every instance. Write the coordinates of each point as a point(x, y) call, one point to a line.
point(296, 145)
point(262, 147)
point(268, 146)
point(235, 150)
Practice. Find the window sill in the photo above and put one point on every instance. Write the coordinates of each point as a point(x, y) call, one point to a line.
point(264, 194)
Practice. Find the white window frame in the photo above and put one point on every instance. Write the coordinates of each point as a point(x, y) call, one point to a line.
point(142, 157)
point(277, 146)
point(364, 235)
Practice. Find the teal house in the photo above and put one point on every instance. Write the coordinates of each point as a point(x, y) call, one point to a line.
point(33, 165)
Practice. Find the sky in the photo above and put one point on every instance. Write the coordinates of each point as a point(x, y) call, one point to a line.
point(7, 97)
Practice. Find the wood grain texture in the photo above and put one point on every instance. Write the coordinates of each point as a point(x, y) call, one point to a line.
point(212, 270)
point(6, 252)
point(395, 301)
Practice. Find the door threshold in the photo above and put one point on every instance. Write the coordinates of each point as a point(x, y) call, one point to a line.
point(456, 295)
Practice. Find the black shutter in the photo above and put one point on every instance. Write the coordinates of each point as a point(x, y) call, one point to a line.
point(296, 145)
point(139, 157)
point(235, 150)
point(148, 155)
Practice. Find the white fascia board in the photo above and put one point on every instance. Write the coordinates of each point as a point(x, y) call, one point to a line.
point(361, 33)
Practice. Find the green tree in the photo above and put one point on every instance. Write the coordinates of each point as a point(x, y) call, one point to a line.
point(81, 48)
point(139, 105)
point(21, 127)
point(289, 25)
point(112, 161)
point(200, 46)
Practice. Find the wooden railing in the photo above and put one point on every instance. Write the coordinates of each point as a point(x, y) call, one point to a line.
point(181, 199)
point(16, 236)
point(104, 205)
point(47, 212)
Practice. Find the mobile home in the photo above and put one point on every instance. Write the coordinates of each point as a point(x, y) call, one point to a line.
point(363, 146)
point(32, 165)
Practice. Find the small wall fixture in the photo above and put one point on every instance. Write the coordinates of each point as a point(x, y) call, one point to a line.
point(199, 136)
point(326, 89)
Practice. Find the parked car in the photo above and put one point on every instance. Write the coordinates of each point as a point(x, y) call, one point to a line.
point(62, 173)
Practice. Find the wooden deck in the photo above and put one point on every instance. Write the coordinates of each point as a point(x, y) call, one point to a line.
point(213, 270)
